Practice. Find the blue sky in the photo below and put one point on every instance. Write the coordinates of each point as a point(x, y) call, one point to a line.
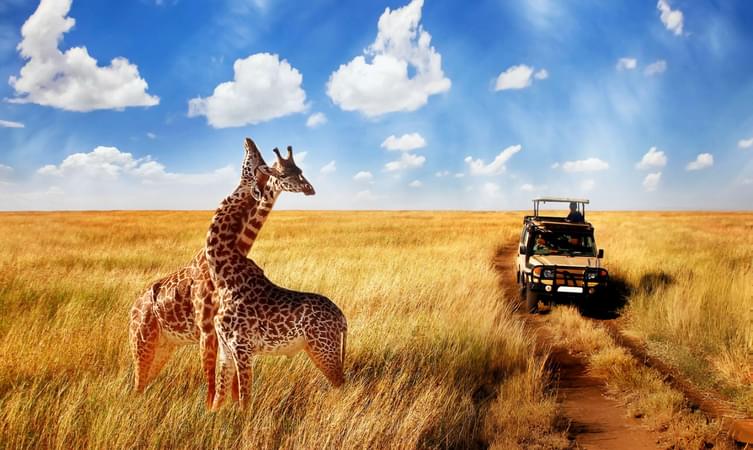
point(397, 105)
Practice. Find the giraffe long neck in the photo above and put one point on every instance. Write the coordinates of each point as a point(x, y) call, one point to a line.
point(227, 226)
point(257, 215)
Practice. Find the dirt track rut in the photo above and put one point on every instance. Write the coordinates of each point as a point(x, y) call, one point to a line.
point(596, 421)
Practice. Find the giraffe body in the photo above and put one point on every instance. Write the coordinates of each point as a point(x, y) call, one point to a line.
point(257, 317)
point(178, 309)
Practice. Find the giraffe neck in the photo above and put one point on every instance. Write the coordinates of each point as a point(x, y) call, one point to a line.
point(227, 226)
point(257, 215)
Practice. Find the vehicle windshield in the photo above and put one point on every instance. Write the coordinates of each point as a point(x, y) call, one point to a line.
point(563, 243)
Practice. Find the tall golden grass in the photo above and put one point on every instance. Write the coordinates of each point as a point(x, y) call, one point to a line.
point(690, 284)
point(431, 338)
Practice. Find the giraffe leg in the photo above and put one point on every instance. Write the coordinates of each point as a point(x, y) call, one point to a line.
point(164, 351)
point(208, 342)
point(227, 373)
point(144, 336)
point(326, 350)
point(244, 378)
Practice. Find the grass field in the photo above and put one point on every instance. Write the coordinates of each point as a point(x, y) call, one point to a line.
point(690, 283)
point(431, 337)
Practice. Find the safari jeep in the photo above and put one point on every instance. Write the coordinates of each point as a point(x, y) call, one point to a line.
point(557, 258)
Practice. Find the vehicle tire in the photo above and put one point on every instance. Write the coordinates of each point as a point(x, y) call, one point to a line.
point(532, 301)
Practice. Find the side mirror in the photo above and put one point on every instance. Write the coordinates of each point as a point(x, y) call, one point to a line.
point(601, 253)
point(522, 250)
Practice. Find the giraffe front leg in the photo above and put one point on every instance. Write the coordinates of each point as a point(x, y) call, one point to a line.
point(227, 373)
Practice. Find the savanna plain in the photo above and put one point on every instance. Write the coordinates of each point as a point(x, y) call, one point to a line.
point(437, 356)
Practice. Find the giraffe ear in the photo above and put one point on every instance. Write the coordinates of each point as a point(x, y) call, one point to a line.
point(268, 171)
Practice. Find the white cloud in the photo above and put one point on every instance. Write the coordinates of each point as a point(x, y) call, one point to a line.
point(71, 80)
point(626, 64)
point(587, 185)
point(583, 165)
point(653, 158)
point(497, 166)
point(442, 173)
point(405, 142)
point(328, 168)
point(745, 143)
point(109, 163)
point(151, 135)
point(384, 85)
point(702, 161)
point(316, 119)
point(363, 176)
point(516, 77)
point(542, 74)
point(671, 18)
point(415, 184)
point(10, 124)
point(406, 161)
point(655, 68)
point(651, 182)
point(263, 88)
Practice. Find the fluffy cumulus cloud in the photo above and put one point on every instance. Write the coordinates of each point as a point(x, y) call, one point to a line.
point(582, 165)
point(71, 80)
point(496, 167)
point(10, 124)
point(415, 184)
point(651, 182)
point(363, 176)
point(655, 68)
point(671, 18)
point(745, 143)
point(406, 161)
point(263, 88)
point(702, 161)
point(109, 164)
point(519, 77)
point(316, 120)
point(379, 81)
point(627, 63)
point(652, 159)
point(405, 142)
point(330, 167)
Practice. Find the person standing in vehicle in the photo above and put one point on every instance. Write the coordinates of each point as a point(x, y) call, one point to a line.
point(575, 215)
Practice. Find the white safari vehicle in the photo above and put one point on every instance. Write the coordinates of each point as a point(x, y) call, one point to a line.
point(557, 257)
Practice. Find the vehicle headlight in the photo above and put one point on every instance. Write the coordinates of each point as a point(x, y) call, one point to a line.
point(595, 274)
point(547, 273)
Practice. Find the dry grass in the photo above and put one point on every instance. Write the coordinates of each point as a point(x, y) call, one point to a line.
point(691, 291)
point(429, 331)
point(641, 389)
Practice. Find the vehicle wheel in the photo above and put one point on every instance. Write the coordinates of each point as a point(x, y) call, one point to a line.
point(532, 301)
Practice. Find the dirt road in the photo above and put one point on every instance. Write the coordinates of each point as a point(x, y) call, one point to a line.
point(596, 421)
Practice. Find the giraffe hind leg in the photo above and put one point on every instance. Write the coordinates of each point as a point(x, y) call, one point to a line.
point(327, 353)
point(144, 336)
point(162, 354)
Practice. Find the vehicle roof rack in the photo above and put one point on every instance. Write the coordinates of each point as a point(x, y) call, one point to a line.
point(581, 202)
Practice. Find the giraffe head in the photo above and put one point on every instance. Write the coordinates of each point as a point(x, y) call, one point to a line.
point(285, 175)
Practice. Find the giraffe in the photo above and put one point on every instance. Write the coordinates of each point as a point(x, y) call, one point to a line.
point(257, 317)
point(171, 312)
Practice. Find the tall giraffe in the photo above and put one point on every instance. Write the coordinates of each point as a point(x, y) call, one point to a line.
point(170, 313)
point(257, 317)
